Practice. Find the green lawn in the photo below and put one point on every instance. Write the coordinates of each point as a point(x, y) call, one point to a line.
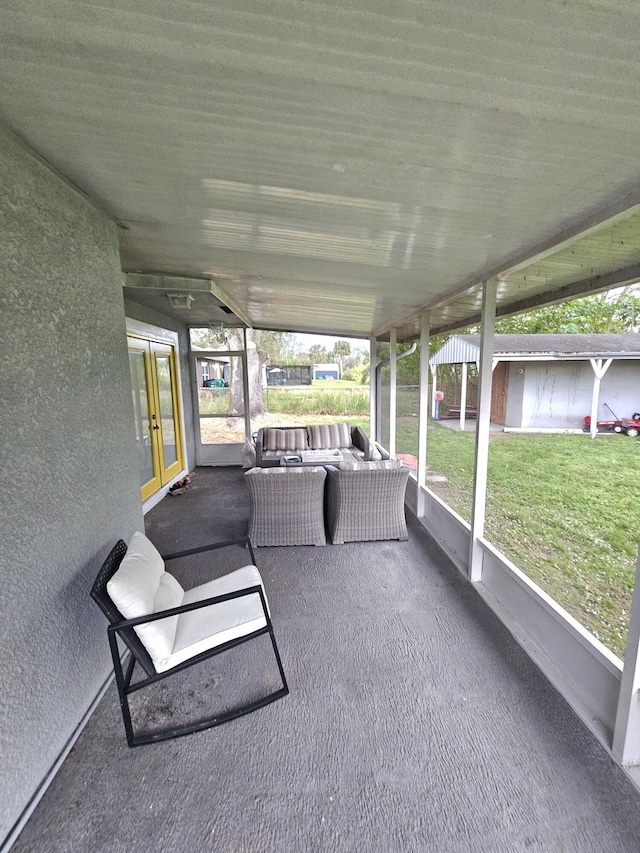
point(561, 507)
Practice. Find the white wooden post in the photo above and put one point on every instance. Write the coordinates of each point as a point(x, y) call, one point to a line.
point(373, 390)
point(423, 412)
point(479, 502)
point(434, 386)
point(626, 733)
point(463, 397)
point(245, 387)
point(393, 390)
point(599, 367)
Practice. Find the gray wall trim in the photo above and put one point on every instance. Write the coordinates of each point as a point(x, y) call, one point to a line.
point(48, 779)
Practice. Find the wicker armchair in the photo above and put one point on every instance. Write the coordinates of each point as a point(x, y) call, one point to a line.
point(287, 506)
point(366, 502)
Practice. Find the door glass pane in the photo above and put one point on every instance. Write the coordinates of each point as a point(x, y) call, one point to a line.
point(221, 400)
point(141, 411)
point(165, 392)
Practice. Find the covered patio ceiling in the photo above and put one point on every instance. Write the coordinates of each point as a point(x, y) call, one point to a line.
point(342, 167)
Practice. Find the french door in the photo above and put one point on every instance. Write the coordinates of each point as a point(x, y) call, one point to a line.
point(157, 413)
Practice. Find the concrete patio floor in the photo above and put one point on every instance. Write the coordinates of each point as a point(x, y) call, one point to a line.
point(414, 723)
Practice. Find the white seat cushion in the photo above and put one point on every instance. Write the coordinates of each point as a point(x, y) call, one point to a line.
point(208, 627)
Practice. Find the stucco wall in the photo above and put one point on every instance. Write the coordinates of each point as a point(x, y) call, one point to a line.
point(142, 313)
point(68, 462)
point(558, 394)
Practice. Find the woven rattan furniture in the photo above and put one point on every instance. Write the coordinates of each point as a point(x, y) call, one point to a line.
point(366, 502)
point(272, 443)
point(169, 630)
point(286, 506)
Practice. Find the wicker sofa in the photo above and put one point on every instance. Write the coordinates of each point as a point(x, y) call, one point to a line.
point(272, 443)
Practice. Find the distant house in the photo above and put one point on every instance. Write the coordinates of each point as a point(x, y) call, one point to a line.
point(554, 381)
point(326, 371)
point(213, 371)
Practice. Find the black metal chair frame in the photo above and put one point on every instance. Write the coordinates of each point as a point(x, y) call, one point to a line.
point(124, 628)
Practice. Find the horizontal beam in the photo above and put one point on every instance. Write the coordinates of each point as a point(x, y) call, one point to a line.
point(584, 287)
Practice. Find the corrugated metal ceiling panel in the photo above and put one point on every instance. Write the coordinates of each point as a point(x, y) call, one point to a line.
point(337, 167)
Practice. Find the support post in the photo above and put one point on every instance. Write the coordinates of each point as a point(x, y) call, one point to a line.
point(479, 502)
point(463, 397)
point(393, 390)
point(434, 387)
point(245, 387)
point(599, 367)
point(425, 322)
point(373, 390)
point(626, 733)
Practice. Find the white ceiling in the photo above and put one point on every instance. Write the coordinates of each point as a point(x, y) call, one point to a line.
point(341, 167)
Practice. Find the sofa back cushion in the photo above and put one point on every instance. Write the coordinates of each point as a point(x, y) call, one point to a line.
point(141, 586)
point(284, 439)
point(324, 436)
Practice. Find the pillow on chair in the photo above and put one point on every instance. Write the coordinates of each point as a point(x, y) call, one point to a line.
point(284, 439)
point(325, 436)
point(141, 586)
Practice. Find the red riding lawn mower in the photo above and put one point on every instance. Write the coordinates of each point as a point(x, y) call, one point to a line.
point(629, 426)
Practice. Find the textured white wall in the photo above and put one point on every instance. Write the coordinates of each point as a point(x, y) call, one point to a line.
point(558, 394)
point(69, 470)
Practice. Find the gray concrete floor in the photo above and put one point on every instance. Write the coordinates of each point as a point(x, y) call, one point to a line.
point(414, 722)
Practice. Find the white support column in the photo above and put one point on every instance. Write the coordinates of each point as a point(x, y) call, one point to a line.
point(373, 390)
point(463, 397)
point(488, 323)
point(245, 387)
point(626, 734)
point(393, 390)
point(434, 386)
point(424, 411)
point(599, 367)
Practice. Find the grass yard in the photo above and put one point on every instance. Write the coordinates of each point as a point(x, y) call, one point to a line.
point(561, 507)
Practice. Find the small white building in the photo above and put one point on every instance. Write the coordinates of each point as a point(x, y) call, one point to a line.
point(554, 381)
point(326, 371)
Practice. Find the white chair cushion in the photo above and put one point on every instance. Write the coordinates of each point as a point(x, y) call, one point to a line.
point(140, 587)
point(133, 587)
point(203, 629)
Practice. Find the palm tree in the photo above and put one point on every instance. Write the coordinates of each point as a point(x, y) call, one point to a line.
point(341, 349)
point(317, 353)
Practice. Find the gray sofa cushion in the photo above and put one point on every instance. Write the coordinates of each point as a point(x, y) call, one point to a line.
point(325, 436)
point(285, 439)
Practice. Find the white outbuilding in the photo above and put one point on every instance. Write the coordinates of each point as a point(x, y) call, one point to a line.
point(551, 382)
